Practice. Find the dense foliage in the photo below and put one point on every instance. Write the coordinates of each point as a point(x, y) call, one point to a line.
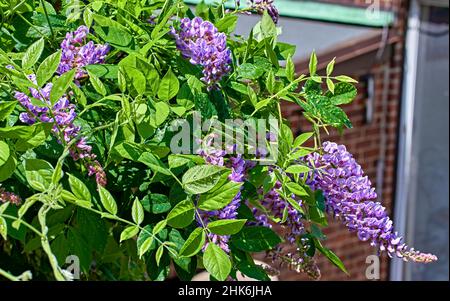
point(92, 96)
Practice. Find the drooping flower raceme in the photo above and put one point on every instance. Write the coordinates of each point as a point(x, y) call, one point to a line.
point(265, 5)
point(238, 167)
point(76, 53)
point(62, 114)
point(204, 45)
point(350, 197)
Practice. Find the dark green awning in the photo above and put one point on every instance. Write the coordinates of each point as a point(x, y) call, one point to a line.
point(323, 12)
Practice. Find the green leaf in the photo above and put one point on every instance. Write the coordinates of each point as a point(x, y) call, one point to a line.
point(156, 203)
point(313, 64)
point(16, 132)
point(201, 178)
point(317, 79)
point(79, 189)
point(159, 254)
point(219, 198)
point(121, 80)
point(33, 54)
point(216, 262)
point(268, 27)
point(285, 49)
point(97, 84)
point(88, 17)
point(296, 189)
point(145, 240)
point(145, 246)
point(41, 131)
point(113, 32)
point(295, 205)
point(270, 82)
point(70, 197)
point(203, 104)
point(286, 134)
point(290, 69)
point(129, 232)
point(60, 85)
point(3, 207)
point(194, 243)
point(162, 112)
point(334, 259)
point(159, 226)
point(252, 95)
point(4, 152)
point(227, 24)
point(103, 70)
point(154, 163)
point(344, 93)
point(249, 71)
point(226, 226)
point(318, 216)
point(239, 87)
point(302, 139)
point(48, 67)
point(107, 200)
point(330, 67)
point(137, 212)
point(3, 228)
point(256, 239)
point(181, 215)
point(6, 108)
point(296, 169)
point(136, 78)
point(179, 110)
point(345, 78)
point(38, 173)
point(330, 85)
point(169, 86)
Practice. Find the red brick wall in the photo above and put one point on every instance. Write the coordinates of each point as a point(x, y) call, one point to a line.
point(365, 142)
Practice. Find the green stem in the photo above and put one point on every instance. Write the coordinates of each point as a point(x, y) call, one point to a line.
point(280, 116)
point(23, 222)
point(202, 223)
point(48, 19)
point(42, 216)
point(8, 275)
point(176, 178)
point(119, 219)
point(276, 95)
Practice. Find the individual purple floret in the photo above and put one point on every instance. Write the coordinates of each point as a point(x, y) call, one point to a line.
point(76, 54)
point(262, 5)
point(350, 197)
point(62, 115)
point(204, 45)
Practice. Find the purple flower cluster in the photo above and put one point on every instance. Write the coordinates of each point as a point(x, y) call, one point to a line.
point(276, 205)
point(265, 5)
point(6, 196)
point(204, 45)
point(350, 197)
point(238, 170)
point(76, 54)
point(62, 115)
